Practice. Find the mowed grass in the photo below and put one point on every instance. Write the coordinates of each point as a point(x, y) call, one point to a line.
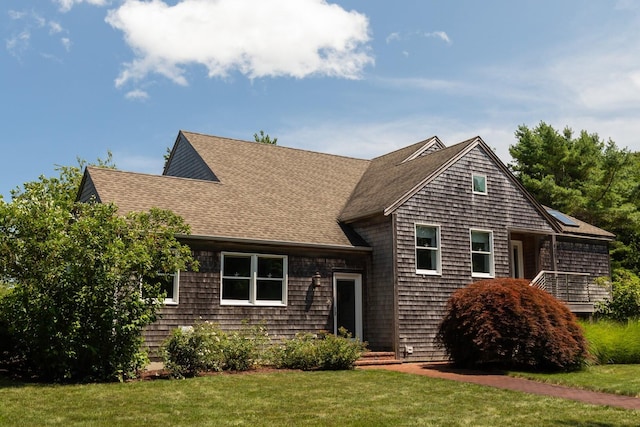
point(291, 398)
point(617, 379)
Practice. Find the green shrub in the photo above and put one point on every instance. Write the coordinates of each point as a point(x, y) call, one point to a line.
point(246, 348)
point(205, 347)
point(613, 342)
point(300, 352)
point(190, 351)
point(339, 352)
point(624, 302)
point(507, 323)
point(324, 351)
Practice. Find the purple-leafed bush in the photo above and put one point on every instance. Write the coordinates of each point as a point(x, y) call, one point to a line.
point(505, 323)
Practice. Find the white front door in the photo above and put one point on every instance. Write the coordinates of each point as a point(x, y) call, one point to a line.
point(347, 307)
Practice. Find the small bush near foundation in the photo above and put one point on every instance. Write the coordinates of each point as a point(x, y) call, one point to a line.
point(324, 351)
point(613, 342)
point(506, 323)
point(339, 352)
point(206, 348)
point(189, 351)
point(245, 349)
point(300, 352)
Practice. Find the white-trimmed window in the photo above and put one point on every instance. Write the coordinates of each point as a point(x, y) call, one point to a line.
point(482, 253)
point(169, 285)
point(479, 183)
point(427, 249)
point(253, 279)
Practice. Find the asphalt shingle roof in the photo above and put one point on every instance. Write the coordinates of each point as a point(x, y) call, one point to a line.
point(389, 178)
point(277, 194)
point(265, 192)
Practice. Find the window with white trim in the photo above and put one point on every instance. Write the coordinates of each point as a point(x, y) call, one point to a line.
point(169, 284)
point(479, 183)
point(253, 279)
point(427, 249)
point(482, 253)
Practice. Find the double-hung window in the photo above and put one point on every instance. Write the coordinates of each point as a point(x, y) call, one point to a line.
point(481, 253)
point(427, 249)
point(253, 279)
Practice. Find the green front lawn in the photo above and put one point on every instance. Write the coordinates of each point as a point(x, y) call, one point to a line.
point(618, 379)
point(361, 397)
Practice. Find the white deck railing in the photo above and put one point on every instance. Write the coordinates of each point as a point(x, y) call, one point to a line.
point(571, 287)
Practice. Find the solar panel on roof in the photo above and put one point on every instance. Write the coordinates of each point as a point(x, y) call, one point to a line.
point(562, 218)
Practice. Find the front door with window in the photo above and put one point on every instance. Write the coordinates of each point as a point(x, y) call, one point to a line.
point(347, 297)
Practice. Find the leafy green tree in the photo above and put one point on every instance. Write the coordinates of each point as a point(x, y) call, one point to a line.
point(264, 138)
point(624, 303)
point(585, 177)
point(75, 310)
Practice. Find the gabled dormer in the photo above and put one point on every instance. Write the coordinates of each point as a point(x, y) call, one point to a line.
point(185, 162)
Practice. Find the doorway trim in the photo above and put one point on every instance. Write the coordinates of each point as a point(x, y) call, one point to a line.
point(357, 283)
point(517, 259)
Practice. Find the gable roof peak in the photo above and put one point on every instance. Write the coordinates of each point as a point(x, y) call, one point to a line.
point(428, 145)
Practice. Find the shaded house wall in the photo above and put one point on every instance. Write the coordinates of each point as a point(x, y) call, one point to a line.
point(573, 254)
point(448, 201)
point(308, 309)
point(530, 248)
point(379, 299)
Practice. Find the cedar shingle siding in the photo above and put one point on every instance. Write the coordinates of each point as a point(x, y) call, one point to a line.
point(308, 309)
point(333, 214)
point(448, 201)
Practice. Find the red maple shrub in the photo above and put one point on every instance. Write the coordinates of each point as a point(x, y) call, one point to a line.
point(505, 323)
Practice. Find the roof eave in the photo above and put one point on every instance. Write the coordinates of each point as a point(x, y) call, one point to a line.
point(269, 242)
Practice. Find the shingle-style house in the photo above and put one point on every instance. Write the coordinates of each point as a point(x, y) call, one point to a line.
point(306, 241)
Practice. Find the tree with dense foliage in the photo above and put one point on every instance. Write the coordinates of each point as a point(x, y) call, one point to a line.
point(83, 280)
point(264, 138)
point(585, 177)
point(624, 302)
point(508, 324)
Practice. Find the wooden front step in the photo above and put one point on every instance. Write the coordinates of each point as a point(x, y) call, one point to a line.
point(370, 358)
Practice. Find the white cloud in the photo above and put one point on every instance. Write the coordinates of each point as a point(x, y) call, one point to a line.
point(392, 37)
point(18, 43)
point(258, 38)
point(371, 139)
point(15, 15)
point(439, 35)
point(54, 27)
point(33, 23)
point(67, 5)
point(137, 94)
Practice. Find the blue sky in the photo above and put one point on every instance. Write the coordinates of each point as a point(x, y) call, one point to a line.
point(79, 78)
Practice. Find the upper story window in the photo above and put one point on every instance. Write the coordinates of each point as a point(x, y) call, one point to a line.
point(169, 285)
point(479, 184)
point(427, 249)
point(482, 253)
point(253, 279)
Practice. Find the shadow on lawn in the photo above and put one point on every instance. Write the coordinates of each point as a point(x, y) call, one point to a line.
point(7, 382)
point(452, 369)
